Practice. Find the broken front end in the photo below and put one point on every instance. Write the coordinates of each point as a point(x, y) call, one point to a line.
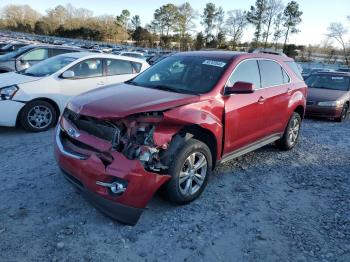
point(117, 164)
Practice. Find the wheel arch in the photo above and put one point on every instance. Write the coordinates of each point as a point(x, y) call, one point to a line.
point(205, 136)
point(48, 100)
point(300, 110)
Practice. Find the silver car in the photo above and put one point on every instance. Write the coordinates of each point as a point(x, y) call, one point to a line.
point(27, 56)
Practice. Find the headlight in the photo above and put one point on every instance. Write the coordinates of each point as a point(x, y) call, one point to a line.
point(7, 93)
point(329, 103)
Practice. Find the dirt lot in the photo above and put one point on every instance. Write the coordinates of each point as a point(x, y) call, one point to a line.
point(266, 206)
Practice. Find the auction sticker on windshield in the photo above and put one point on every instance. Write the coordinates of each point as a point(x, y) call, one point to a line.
point(214, 63)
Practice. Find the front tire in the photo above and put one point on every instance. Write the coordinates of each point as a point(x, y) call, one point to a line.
point(344, 113)
point(189, 172)
point(38, 116)
point(291, 133)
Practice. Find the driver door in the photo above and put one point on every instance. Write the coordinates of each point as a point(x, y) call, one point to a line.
point(244, 112)
point(88, 75)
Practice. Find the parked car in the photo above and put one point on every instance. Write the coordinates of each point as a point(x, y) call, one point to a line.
point(35, 97)
point(131, 54)
point(10, 47)
point(157, 58)
point(27, 56)
point(329, 95)
point(172, 124)
point(344, 70)
point(307, 72)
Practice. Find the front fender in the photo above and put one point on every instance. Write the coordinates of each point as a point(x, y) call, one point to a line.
point(207, 114)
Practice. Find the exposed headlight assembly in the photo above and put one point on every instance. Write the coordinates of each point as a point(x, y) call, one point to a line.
point(329, 103)
point(7, 92)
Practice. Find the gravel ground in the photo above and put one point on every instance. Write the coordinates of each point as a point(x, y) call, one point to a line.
point(265, 206)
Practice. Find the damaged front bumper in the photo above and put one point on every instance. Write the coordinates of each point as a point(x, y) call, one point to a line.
point(86, 168)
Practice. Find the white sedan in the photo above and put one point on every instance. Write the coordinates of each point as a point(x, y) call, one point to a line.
point(35, 97)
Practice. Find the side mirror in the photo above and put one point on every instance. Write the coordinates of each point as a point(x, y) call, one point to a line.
point(68, 74)
point(240, 88)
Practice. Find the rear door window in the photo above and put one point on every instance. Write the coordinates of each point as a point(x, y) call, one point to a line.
point(271, 73)
point(119, 67)
point(88, 68)
point(247, 71)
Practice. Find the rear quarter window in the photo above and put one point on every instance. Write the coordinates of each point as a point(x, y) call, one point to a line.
point(295, 68)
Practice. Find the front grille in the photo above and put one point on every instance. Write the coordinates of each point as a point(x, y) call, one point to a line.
point(92, 126)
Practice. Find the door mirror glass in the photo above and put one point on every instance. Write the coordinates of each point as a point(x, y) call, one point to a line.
point(240, 88)
point(68, 74)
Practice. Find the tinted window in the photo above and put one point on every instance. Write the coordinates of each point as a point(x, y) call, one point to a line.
point(119, 67)
point(296, 69)
point(88, 68)
point(56, 51)
point(36, 55)
point(271, 73)
point(333, 82)
point(247, 71)
point(286, 78)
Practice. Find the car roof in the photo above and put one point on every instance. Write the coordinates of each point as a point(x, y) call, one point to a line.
point(229, 55)
point(79, 55)
point(54, 46)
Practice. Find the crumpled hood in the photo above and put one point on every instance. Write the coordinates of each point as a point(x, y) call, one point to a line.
point(320, 94)
point(12, 78)
point(118, 101)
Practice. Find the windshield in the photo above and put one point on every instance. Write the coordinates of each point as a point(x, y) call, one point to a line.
point(48, 66)
point(183, 74)
point(332, 82)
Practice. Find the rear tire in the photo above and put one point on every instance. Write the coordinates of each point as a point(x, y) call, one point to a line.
point(38, 116)
point(189, 172)
point(344, 114)
point(291, 134)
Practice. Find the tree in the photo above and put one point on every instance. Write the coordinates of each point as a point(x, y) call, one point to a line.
point(200, 41)
point(219, 20)
point(135, 22)
point(41, 28)
point(337, 31)
point(123, 21)
point(235, 24)
point(21, 17)
point(292, 16)
point(185, 23)
point(278, 28)
point(290, 50)
point(209, 17)
point(166, 18)
point(257, 17)
point(274, 8)
point(141, 35)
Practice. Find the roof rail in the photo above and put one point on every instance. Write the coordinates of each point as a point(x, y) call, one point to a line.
point(267, 51)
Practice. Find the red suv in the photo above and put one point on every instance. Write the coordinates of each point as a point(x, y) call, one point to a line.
point(171, 125)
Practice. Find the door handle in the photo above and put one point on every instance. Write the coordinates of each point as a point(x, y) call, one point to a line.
point(101, 83)
point(261, 100)
point(289, 90)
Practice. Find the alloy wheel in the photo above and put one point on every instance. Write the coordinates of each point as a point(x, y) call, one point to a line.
point(39, 117)
point(192, 174)
point(294, 131)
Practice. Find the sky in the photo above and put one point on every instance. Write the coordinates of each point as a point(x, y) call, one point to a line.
point(318, 14)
